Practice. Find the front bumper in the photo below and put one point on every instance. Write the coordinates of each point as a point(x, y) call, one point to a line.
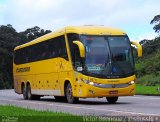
point(89, 91)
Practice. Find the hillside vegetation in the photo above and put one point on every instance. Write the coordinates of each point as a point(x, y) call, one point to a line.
point(9, 39)
point(148, 68)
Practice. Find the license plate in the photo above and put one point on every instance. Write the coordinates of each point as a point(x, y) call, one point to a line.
point(113, 92)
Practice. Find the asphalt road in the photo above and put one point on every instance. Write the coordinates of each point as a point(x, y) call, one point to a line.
point(126, 106)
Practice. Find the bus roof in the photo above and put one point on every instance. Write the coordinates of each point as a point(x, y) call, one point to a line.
point(89, 29)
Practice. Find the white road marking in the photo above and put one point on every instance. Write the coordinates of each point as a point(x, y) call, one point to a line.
point(78, 107)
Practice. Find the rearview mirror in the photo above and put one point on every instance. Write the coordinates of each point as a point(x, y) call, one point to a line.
point(81, 48)
point(139, 48)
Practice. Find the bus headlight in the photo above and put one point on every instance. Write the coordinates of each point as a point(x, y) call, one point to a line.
point(131, 82)
point(91, 83)
point(87, 82)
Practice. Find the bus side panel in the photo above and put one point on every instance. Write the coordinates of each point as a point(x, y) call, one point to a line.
point(46, 84)
point(19, 79)
point(42, 75)
point(65, 74)
point(46, 77)
point(17, 84)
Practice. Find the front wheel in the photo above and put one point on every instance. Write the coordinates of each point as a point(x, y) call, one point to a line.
point(112, 100)
point(69, 95)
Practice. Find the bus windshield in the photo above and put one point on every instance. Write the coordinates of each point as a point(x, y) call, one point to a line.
point(108, 56)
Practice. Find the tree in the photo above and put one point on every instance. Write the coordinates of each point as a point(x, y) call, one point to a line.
point(9, 39)
point(156, 21)
point(32, 33)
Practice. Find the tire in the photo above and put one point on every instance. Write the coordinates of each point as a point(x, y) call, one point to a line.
point(29, 94)
point(69, 94)
point(60, 98)
point(24, 92)
point(112, 100)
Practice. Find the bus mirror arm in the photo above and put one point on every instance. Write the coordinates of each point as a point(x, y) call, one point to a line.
point(81, 48)
point(139, 48)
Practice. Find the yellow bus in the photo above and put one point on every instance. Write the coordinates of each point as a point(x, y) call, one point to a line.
point(76, 62)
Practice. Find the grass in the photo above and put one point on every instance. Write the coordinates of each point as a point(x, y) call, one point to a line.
point(148, 85)
point(147, 90)
point(28, 115)
point(16, 114)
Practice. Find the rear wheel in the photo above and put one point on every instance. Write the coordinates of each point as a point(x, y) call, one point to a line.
point(112, 100)
point(29, 94)
point(24, 92)
point(69, 94)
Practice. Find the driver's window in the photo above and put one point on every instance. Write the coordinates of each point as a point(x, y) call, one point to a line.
point(77, 58)
point(74, 51)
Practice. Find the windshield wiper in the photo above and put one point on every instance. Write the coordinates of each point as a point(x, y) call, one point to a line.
point(107, 61)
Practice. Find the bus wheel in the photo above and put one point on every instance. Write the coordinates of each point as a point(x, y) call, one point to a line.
point(112, 100)
point(29, 94)
point(24, 92)
point(69, 95)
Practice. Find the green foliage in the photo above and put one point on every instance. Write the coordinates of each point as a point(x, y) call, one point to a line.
point(156, 20)
point(149, 64)
point(9, 39)
point(147, 90)
point(150, 46)
point(29, 115)
point(32, 33)
point(148, 68)
point(17, 111)
point(149, 80)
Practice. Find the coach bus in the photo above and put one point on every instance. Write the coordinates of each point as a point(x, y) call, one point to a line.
point(76, 62)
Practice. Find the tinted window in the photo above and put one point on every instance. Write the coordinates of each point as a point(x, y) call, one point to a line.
point(73, 49)
point(44, 50)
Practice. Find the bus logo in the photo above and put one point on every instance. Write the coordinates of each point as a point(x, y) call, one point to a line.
point(25, 69)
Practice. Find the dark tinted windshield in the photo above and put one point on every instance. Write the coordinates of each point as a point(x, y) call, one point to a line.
point(108, 56)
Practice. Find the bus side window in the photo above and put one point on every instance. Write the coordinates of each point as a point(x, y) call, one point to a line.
point(62, 47)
